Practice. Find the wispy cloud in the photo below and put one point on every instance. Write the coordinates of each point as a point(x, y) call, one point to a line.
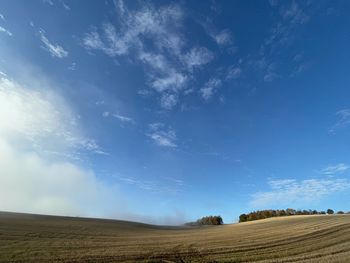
point(168, 101)
point(224, 37)
point(49, 2)
point(73, 66)
point(165, 185)
point(4, 30)
point(291, 192)
point(294, 13)
point(168, 59)
point(120, 117)
point(210, 88)
point(271, 74)
point(198, 56)
point(335, 169)
point(343, 120)
point(65, 6)
point(267, 65)
point(2, 17)
point(62, 2)
point(221, 37)
point(162, 135)
point(54, 49)
point(234, 72)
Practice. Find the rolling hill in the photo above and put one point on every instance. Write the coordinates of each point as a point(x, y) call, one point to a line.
point(39, 238)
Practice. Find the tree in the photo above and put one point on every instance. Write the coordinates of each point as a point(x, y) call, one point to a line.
point(210, 220)
point(340, 212)
point(290, 211)
point(330, 211)
point(243, 218)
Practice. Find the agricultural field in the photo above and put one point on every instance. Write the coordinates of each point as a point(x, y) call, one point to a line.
point(38, 238)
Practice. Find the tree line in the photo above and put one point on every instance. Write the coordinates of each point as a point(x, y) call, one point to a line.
point(262, 214)
point(207, 220)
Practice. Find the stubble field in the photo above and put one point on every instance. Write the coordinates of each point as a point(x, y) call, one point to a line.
point(37, 238)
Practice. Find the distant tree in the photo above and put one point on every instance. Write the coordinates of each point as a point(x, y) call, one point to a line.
point(243, 218)
point(282, 213)
point(210, 220)
point(262, 214)
point(340, 212)
point(290, 211)
point(330, 211)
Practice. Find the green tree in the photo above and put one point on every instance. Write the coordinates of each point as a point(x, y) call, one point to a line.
point(330, 211)
point(243, 218)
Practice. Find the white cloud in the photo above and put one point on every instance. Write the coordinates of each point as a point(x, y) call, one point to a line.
point(162, 135)
point(39, 137)
point(40, 142)
point(123, 118)
point(271, 73)
point(49, 2)
point(2, 17)
point(294, 13)
point(174, 81)
point(223, 38)
point(29, 183)
point(160, 25)
point(38, 118)
point(54, 49)
point(290, 16)
point(100, 102)
point(154, 37)
point(73, 66)
point(118, 116)
point(210, 88)
point(335, 169)
point(136, 27)
point(342, 121)
point(168, 101)
point(92, 40)
point(234, 72)
point(4, 30)
point(291, 192)
point(65, 6)
point(156, 61)
point(198, 56)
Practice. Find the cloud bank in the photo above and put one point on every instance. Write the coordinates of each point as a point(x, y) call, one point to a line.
point(38, 139)
point(292, 192)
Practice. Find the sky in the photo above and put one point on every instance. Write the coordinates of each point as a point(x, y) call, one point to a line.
point(167, 111)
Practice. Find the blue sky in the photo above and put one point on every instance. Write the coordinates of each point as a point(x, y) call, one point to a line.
point(164, 111)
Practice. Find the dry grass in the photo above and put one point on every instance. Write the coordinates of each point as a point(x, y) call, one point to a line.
point(33, 238)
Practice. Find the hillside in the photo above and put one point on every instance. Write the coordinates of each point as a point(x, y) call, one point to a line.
point(37, 238)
